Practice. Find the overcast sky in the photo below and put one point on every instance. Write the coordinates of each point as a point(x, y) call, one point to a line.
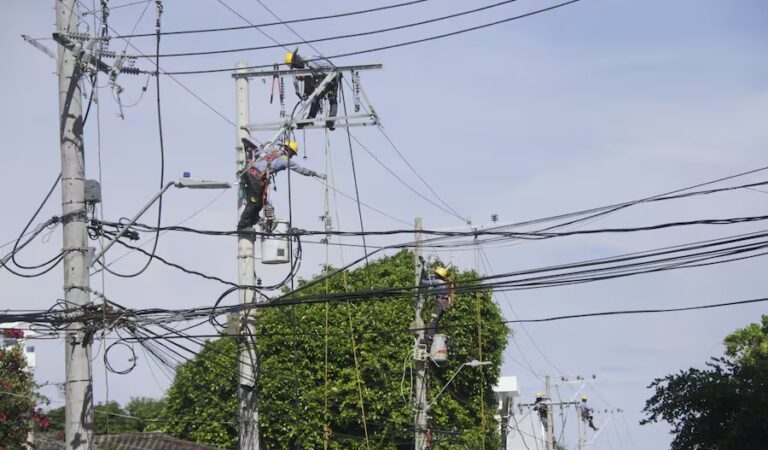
point(598, 102)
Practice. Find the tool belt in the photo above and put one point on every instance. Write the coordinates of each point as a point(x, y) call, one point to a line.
point(256, 181)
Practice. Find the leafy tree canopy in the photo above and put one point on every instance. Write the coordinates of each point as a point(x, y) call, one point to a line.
point(368, 355)
point(725, 405)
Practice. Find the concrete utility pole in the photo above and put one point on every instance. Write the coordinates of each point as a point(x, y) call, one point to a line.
point(582, 436)
point(550, 416)
point(78, 422)
point(419, 351)
point(247, 397)
point(505, 407)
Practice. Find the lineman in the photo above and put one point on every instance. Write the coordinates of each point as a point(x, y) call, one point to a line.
point(319, 66)
point(442, 287)
point(540, 406)
point(586, 413)
point(256, 177)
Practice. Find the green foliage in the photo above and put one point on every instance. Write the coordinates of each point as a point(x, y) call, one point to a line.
point(201, 405)
point(147, 409)
point(292, 348)
point(111, 418)
point(725, 405)
point(18, 399)
point(749, 344)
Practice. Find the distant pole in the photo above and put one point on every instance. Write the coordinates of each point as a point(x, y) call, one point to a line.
point(582, 436)
point(247, 399)
point(78, 412)
point(419, 352)
point(550, 416)
point(505, 407)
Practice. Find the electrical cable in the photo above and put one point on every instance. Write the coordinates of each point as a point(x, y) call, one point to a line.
point(337, 37)
point(391, 46)
point(502, 235)
point(26, 227)
point(94, 11)
point(354, 176)
point(403, 182)
point(162, 149)
point(175, 80)
point(307, 19)
point(418, 175)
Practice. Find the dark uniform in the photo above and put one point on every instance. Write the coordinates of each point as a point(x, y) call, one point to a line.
point(320, 67)
point(256, 180)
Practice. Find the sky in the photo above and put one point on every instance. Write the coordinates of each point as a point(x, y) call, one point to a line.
point(595, 103)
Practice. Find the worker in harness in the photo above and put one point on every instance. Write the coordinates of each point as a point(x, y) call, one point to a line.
point(586, 413)
point(540, 406)
point(442, 288)
point(320, 68)
point(257, 175)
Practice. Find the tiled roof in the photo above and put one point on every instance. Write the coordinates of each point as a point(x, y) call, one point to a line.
point(131, 441)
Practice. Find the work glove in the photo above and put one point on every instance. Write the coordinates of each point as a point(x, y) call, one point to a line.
point(322, 176)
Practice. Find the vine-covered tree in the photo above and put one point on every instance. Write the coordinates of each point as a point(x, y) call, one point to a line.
point(322, 365)
point(725, 405)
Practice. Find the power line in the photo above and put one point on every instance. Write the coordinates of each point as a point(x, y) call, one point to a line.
point(307, 19)
point(397, 177)
point(391, 46)
point(415, 172)
point(336, 37)
point(175, 80)
point(474, 234)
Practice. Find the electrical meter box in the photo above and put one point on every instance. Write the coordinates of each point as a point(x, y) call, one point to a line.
point(274, 249)
point(92, 191)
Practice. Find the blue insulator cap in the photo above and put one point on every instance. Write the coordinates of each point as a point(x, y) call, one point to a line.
point(186, 174)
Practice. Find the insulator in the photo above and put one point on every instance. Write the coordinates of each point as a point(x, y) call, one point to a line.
point(356, 90)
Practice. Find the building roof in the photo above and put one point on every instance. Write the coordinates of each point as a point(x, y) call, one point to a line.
point(130, 441)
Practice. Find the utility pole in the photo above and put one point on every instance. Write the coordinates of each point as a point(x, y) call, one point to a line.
point(550, 416)
point(247, 397)
point(419, 351)
point(505, 408)
point(78, 422)
point(582, 436)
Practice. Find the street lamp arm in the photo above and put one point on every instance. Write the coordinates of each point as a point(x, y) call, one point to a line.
point(133, 221)
point(445, 386)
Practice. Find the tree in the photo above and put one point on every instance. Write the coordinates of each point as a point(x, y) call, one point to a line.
point(148, 410)
point(19, 412)
point(367, 340)
point(725, 405)
point(139, 415)
point(201, 403)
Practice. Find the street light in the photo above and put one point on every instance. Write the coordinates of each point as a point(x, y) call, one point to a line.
point(473, 363)
point(184, 182)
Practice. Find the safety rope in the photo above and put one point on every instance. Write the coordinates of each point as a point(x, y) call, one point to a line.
point(357, 365)
point(358, 378)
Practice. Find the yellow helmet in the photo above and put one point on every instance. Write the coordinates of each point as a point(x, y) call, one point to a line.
point(441, 272)
point(292, 145)
point(539, 395)
point(289, 58)
point(583, 398)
